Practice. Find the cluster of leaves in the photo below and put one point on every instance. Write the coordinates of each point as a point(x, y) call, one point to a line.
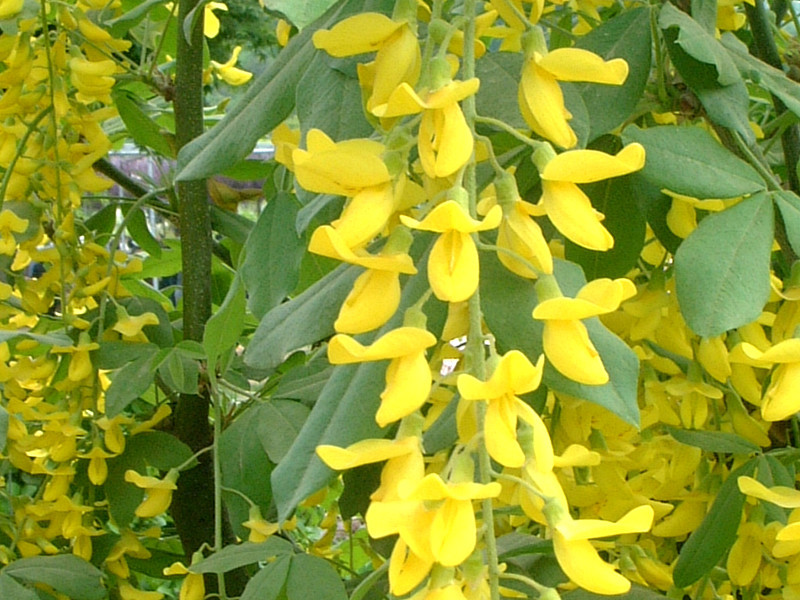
point(678, 403)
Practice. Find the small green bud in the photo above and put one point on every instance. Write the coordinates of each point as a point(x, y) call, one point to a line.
point(438, 30)
point(506, 187)
point(547, 288)
point(532, 41)
point(459, 194)
point(440, 72)
point(543, 155)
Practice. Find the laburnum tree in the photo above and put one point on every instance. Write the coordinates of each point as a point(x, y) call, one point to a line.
point(518, 319)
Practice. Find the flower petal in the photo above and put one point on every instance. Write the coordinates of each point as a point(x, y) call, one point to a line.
point(358, 34)
point(364, 452)
point(571, 212)
point(342, 349)
point(453, 267)
point(587, 166)
point(569, 349)
point(581, 563)
point(576, 64)
point(541, 103)
point(784, 497)
point(371, 303)
point(408, 383)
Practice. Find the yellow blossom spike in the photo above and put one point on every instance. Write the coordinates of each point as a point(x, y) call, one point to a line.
point(784, 497)
point(588, 166)
point(575, 64)
point(358, 34)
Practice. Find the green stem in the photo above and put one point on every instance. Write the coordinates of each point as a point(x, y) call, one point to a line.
point(475, 351)
point(363, 588)
point(526, 580)
point(32, 126)
point(508, 129)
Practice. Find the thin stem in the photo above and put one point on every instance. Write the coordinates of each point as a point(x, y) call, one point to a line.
point(363, 588)
point(508, 129)
point(526, 580)
point(216, 399)
point(510, 253)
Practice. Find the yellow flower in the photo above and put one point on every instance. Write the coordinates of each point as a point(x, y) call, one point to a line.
point(98, 469)
point(398, 57)
point(781, 400)
point(567, 207)
point(10, 224)
point(782, 496)
point(453, 268)
point(408, 377)
point(210, 20)
point(9, 8)
point(576, 555)
point(514, 375)
point(451, 532)
point(128, 592)
point(193, 587)
point(158, 492)
point(445, 140)
point(376, 293)
point(285, 139)
point(131, 326)
point(540, 98)
point(566, 340)
point(230, 74)
point(260, 528)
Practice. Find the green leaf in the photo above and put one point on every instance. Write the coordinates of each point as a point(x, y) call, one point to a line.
point(773, 80)
point(328, 99)
point(625, 36)
point(239, 555)
point(130, 382)
point(789, 206)
point(300, 12)
point(344, 413)
point(273, 252)
point(115, 354)
point(313, 577)
point(655, 205)
point(714, 441)
point(140, 232)
point(223, 329)
point(11, 589)
point(269, 582)
point(716, 534)
point(305, 383)
point(279, 423)
point(236, 227)
point(499, 74)
point(305, 319)
point(65, 573)
point(707, 69)
point(689, 161)
point(144, 131)
point(248, 120)
point(55, 338)
point(508, 301)
point(722, 268)
point(180, 372)
point(704, 12)
point(159, 449)
point(617, 199)
point(104, 220)
point(699, 44)
point(245, 467)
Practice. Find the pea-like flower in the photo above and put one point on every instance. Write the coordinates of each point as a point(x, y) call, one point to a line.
point(567, 207)
point(514, 375)
point(158, 492)
point(453, 266)
point(566, 340)
point(781, 400)
point(408, 377)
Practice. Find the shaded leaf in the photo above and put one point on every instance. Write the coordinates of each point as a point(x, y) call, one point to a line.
point(714, 441)
point(722, 269)
point(279, 422)
point(239, 555)
point(65, 573)
point(789, 206)
point(313, 577)
point(709, 543)
point(272, 255)
point(299, 12)
point(269, 582)
point(144, 131)
point(223, 329)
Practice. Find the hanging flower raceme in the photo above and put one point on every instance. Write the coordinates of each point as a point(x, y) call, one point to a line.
point(513, 375)
point(398, 58)
point(408, 377)
point(541, 100)
point(566, 340)
point(352, 168)
point(567, 207)
point(453, 267)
